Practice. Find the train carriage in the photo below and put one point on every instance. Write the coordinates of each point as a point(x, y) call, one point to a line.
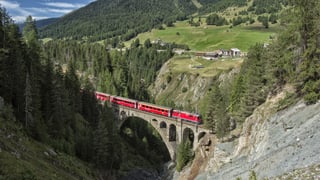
point(151, 108)
point(124, 101)
point(160, 110)
point(102, 96)
point(183, 115)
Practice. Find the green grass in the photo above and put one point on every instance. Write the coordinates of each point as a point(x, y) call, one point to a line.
point(209, 38)
point(185, 64)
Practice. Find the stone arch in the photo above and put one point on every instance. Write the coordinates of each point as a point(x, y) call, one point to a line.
point(162, 133)
point(123, 115)
point(172, 132)
point(201, 135)
point(163, 125)
point(188, 134)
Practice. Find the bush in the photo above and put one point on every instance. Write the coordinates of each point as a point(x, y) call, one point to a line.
point(311, 98)
point(184, 155)
point(169, 78)
point(163, 86)
point(288, 100)
point(184, 89)
point(253, 176)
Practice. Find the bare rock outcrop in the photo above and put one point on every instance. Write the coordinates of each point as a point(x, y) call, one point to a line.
point(270, 143)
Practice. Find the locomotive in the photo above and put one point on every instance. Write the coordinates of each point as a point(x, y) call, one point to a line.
point(151, 108)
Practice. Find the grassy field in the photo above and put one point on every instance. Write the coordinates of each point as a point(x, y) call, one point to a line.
point(185, 63)
point(209, 38)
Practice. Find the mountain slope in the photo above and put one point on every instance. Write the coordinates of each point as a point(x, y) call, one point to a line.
point(21, 157)
point(105, 19)
point(108, 18)
point(270, 144)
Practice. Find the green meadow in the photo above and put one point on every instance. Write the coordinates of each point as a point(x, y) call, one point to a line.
point(209, 38)
point(202, 67)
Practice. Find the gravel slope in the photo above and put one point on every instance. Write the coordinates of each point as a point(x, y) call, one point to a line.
point(270, 145)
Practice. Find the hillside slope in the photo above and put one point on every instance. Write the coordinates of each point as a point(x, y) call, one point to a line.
point(270, 144)
point(180, 84)
point(108, 18)
point(21, 157)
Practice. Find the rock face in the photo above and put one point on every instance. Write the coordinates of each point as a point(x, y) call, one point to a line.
point(271, 144)
point(182, 88)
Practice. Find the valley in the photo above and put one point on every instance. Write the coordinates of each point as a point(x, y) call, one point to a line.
point(107, 91)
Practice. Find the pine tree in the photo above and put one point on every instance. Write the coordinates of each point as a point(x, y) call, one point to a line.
point(28, 102)
point(60, 112)
point(210, 121)
point(308, 69)
point(184, 154)
point(222, 118)
point(102, 144)
point(72, 86)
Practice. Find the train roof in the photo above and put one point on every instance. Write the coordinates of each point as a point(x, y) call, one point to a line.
point(187, 112)
point(127, 99)
point(97, 92)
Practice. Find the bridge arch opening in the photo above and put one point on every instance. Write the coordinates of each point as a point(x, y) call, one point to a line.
point(172, 132)
point(154, 120)
point(188, 135)
point(163, 125)
point(201, 135)
point(123, 115)
point(145, 138)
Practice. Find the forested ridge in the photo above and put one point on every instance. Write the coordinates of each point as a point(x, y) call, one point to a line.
point(104, 19)
point(126, 73)
point(43, 100)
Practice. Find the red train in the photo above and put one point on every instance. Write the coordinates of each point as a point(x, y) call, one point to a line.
point(152, 108)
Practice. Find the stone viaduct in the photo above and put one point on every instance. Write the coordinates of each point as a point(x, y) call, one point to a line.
point(172, 131)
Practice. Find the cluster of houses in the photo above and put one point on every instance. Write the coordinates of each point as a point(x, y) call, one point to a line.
point(233, 52)
point(159, 41)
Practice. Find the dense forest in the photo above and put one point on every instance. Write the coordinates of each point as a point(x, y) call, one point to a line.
point(47, 103)
point(104, 19)
point(267, 6)
point(127, 72)
point(292, 58)
point(210, 6)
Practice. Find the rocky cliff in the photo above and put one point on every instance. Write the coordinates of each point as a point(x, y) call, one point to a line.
point(273, 144)
point(183, 89)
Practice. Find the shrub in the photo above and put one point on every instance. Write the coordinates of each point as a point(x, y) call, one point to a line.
point(169, 78)
point(184, 89)
point(311, 98)
point(184, 155)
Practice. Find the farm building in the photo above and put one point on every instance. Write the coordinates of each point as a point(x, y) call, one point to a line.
point(235, 52)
